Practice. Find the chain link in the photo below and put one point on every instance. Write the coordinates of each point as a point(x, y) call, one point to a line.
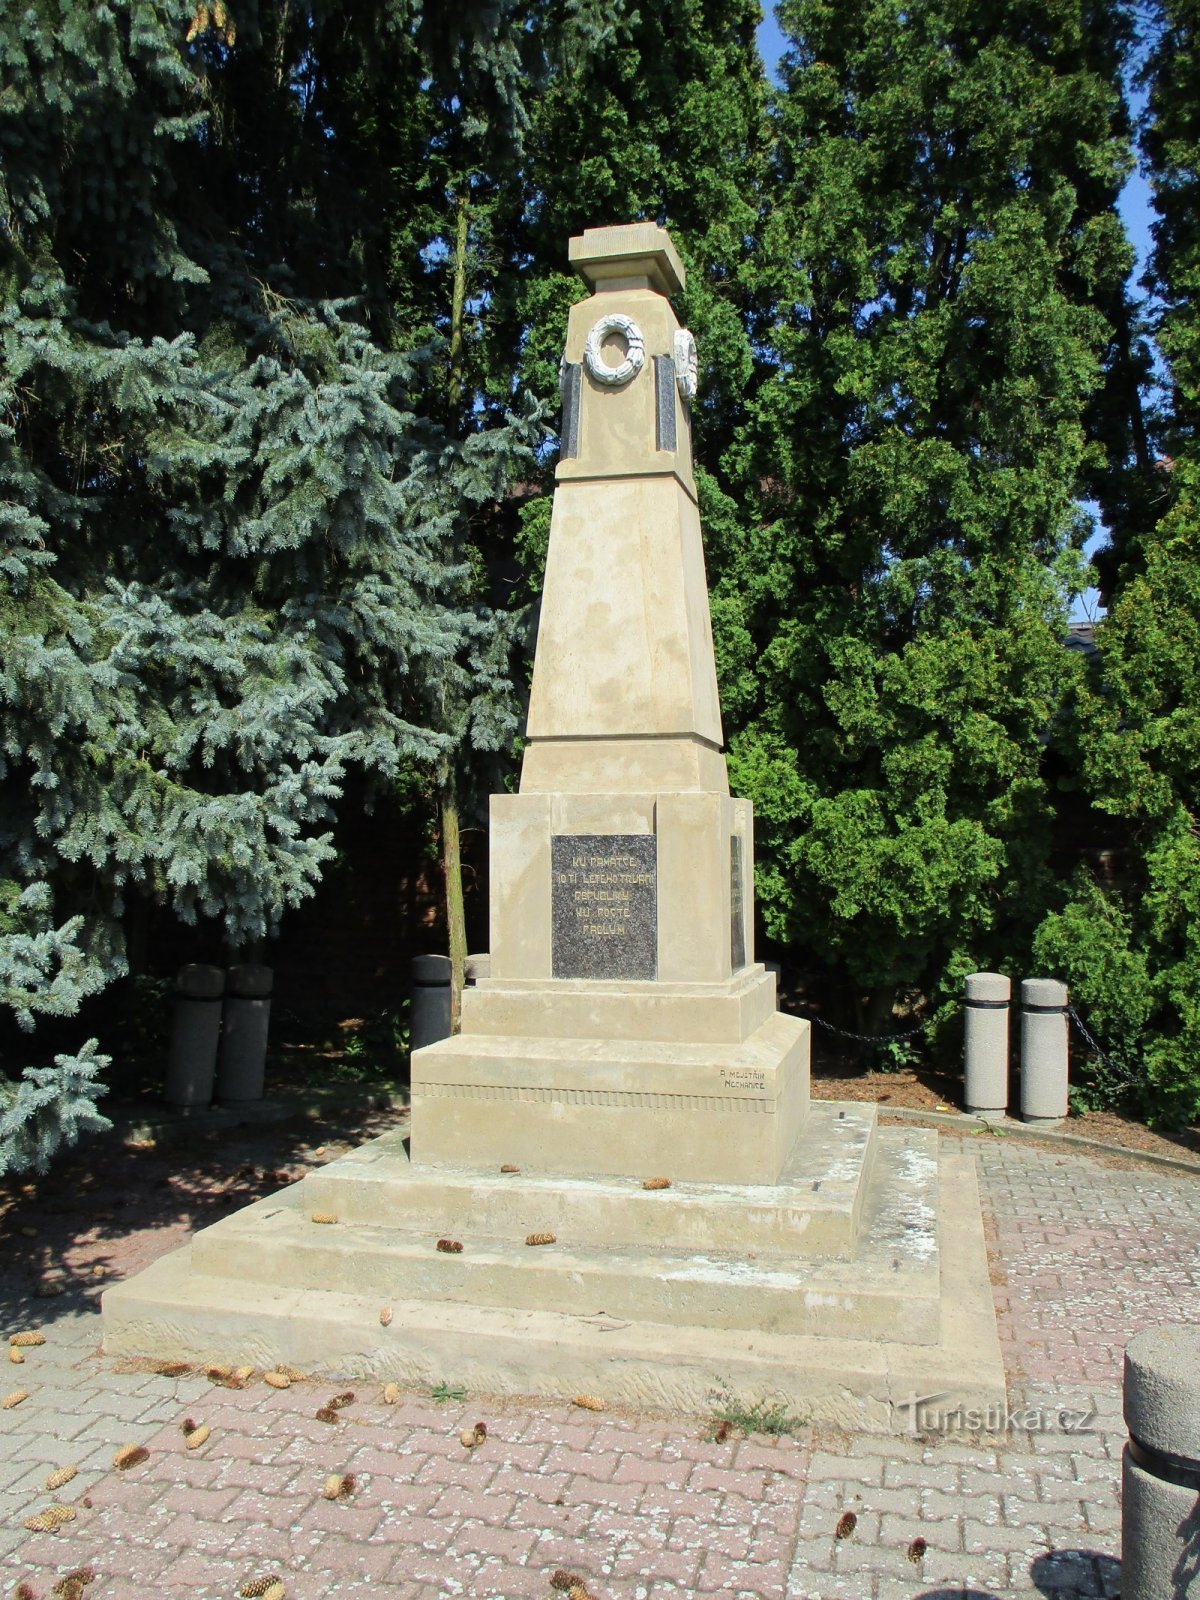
point(870, 1038)
point(1090, 1042)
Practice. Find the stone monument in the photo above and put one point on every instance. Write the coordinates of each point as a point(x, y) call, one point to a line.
point(624, 1094)
point(625, 1027)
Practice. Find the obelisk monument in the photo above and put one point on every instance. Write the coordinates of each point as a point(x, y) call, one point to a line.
point(625, 1026)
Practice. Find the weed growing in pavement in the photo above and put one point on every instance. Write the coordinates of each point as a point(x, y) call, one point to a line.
point(729, 1415)
point(447, 1391)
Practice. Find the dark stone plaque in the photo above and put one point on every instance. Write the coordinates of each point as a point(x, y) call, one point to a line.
point(572, 391)
point(604, 905)
point(664, 403)
point(737, 903)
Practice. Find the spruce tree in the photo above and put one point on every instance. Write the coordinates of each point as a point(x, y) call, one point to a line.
point(941, 232)
point(233, 531)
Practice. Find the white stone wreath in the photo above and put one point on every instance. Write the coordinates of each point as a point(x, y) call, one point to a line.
point(686, 367)
point(635, 352)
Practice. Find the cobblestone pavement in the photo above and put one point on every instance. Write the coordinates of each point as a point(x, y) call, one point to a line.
point(1084, 1252)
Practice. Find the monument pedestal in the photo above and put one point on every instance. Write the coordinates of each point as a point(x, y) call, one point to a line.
point(626, 1033)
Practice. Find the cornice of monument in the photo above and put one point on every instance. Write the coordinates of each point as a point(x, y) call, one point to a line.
point(631, 252)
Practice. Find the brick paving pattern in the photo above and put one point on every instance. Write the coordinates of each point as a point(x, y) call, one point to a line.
point(1084, 1252)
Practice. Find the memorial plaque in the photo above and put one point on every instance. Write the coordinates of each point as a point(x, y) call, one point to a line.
point(604, 905)
point(737, 903)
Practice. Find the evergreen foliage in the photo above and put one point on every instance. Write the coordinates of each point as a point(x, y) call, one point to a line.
point(1131, 950)
point(234, 539)
point(939, 242)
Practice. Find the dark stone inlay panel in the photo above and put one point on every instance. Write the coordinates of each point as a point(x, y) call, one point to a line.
point(737, 903)
point(572, 393)
point(664, 403)
point(604, 905)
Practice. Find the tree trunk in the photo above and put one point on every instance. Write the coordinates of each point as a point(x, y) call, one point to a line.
point(456, 923)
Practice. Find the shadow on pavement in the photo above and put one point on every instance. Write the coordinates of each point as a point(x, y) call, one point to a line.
point(110, 1208)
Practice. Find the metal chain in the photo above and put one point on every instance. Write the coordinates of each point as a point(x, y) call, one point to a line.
point(1091, 1043)
point(870, 1038)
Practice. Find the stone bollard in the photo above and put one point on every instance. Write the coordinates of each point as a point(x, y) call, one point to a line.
point(985, 1045)
point(1043, 1050)
point(195, 1030)
point(429, 1018)
point(1160, 1470)
point(242, 1065)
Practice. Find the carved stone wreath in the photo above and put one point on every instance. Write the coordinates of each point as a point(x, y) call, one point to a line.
point(635, 351)
point(686, 369)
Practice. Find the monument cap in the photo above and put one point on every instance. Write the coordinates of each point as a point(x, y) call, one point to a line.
point(636, 249)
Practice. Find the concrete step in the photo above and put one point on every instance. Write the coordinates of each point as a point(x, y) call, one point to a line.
point(889, 1287)
point(171, 1310)
point(815, 1209)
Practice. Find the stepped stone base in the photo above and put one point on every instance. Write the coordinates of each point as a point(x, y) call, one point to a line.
point(848, 1290)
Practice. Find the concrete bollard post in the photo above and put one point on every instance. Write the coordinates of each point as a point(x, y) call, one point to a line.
point(478, 966)
point(985, 1045)
point(242, 1063)
point(1160, 1469)
point(429, 1017)
point(1043, 1050)
point(195, 1030)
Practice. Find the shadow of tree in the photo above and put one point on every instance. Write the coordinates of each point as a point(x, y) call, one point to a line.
point(110, 1208)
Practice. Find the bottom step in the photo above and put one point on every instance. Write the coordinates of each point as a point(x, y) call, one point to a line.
point(171, 1311)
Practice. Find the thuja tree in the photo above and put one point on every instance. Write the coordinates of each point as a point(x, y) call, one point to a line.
point(1131, 949)
point(941, 234)
point(232, 537)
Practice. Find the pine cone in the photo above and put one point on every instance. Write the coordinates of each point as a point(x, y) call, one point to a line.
point(541, 1238)
point(449, 1247)
point(323, 1216)
point(589, 1402)
point(656, 1183)
point(130, 1455)
point(13, 1399)
point(277, 1380)
point(59, 1477)
point(197, 1437)
point(27, 1339)
point(50, 1520)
